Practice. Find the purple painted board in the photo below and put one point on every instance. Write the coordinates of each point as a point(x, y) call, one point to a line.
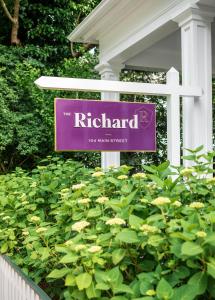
point(90, 125)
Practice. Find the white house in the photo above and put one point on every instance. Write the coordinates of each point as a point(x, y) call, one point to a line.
point(158, 35)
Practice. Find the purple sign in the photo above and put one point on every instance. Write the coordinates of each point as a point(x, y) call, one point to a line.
point(89, 125)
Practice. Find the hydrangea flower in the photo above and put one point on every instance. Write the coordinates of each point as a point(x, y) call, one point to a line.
point(79, 247)
point(187, 172)
point(161, 201)
point(84, 201)
point(121, 177)
point(139, 175)
point(148, 229)
point(196, 204)
point(177, 203)
point(102, 200)
point(35, 219)
point(98, 174)
point(25, 232)
point(78, 186)
point(201, 234)
point(41, 229)
point(115, 221)
point(94, 249)
point(79, 226)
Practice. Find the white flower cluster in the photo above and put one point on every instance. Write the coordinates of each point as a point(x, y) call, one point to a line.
point(139, 175)
point(148, 229)
point(197, 205)
point(79, 247)
point(79, 186)
point(84, 201)
point(102, 200)
point(79, 226)
point(161, 201)
point(34, 184)
point(35, 219)
point(41, 230)
point(177, 203)
point(187, 172)
point(98, 174)
point(122, 177)
point(115, 221)
point(201, 234)
point(94, 249)
point(25, 232)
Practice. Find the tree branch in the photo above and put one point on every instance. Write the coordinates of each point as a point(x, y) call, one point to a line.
point(6, 11)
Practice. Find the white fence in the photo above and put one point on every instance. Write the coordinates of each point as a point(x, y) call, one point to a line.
point(14, 285)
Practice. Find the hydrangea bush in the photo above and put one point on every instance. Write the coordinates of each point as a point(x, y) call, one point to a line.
point(90, 234)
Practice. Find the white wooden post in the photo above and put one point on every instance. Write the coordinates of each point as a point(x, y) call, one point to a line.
point(195, 26)
point(173, 119)
point(107, 72)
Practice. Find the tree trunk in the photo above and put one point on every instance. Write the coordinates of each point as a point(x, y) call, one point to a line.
point(15, 24)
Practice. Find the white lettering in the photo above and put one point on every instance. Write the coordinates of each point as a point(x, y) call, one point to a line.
point(79, 120)
point(87, 120)
point(95, 123)
point(133, 123)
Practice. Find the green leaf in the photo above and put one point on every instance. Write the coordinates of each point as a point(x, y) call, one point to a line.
point(184, 292)
point(69, 258)
point(115, 276)
point(92, 292)
point(70, 280)
point(157, 180)
point(83, 281)
point(94, 212)
point(45, 252)
point(163, 166)
point(123, 288)
point(95, 193)
point(119, 298)
point(150, 169)
point(102, 286)
point(164, 290)
point(155, 240)
point(118, 255)
point(210, 239)
point(191, 249)
point(135, 221)
point(58, 273)
point(189, 157)
point(211, 268)
point(113, 180)
point(101, 276)
point(130, 197)
point(199, 280)
point(126, 188)
point(127, 236)
point(4, 247)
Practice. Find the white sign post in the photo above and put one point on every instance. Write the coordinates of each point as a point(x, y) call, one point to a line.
point(172, 90)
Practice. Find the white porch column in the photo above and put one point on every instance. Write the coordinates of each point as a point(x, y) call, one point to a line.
point(196, 52)
point(108, 72)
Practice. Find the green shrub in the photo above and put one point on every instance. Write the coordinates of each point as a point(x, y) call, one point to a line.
point(85, 234)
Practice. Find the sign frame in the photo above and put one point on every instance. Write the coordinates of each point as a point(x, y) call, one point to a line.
point(103, 150)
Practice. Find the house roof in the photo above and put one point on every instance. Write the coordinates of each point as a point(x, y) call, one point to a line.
point(126, 29)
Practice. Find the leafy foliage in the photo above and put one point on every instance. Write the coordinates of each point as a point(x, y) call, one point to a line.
point(84, 234)
point(27, 112)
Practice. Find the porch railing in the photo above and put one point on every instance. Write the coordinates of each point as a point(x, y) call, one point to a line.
point(15, 285)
